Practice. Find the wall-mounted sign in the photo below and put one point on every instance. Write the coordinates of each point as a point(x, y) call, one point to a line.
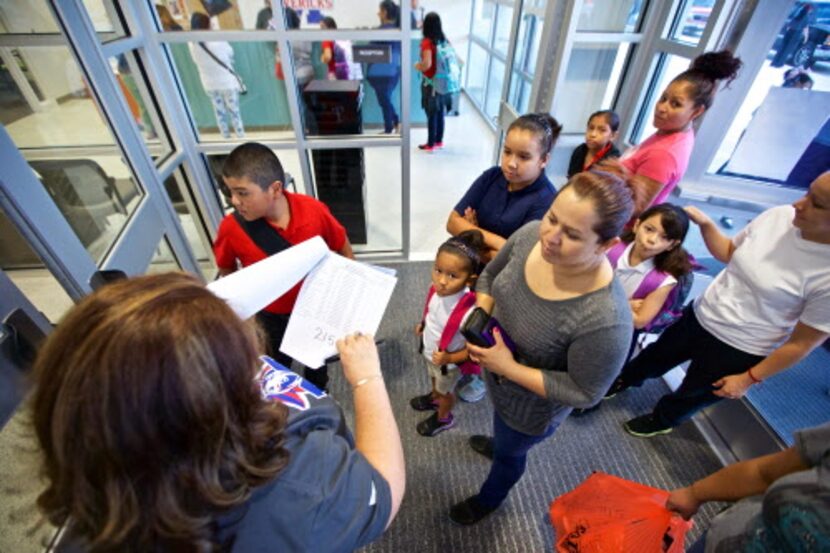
point(371, 53)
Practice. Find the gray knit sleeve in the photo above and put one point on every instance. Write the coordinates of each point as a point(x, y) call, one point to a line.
point(485, 281)
point(595, 359)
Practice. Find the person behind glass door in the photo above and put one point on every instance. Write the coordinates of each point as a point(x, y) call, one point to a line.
point(384, 77)
point(660, 161)
point(433, 103)
point(162, 430)
point(765, 312)
point(214, 61)
point(552, 289)
point(337, 56)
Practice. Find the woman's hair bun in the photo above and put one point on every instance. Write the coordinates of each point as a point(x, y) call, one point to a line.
point(717, 65)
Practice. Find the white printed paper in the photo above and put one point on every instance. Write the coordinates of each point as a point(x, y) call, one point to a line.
point(253, 288)
point(338, 297)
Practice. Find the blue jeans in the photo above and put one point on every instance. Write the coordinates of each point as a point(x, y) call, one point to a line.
point(434, 105)
point(384, 86)
point(510, 449)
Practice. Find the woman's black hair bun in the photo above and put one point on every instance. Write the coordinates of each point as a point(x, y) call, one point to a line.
point(717, 65)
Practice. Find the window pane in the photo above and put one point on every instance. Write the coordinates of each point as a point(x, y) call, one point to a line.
point(26, 270)
point(483, 14)
point(591, 82)
point(494, 85)
point(35, 17)
point(65, 115)
point(135, 93)
point(96, 195)
point(355, 98)
point(362, 188)
point(193, 226)
point(476, 73)
point(692, 21)
point(671, 67)
point(610, 15)
point(213, 92)
point(795, 102)
point(501, 42)
point(163, 260)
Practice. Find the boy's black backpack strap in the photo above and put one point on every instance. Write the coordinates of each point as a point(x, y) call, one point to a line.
point(263, 235)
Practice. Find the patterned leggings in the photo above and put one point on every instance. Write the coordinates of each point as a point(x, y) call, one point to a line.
point(226, 104)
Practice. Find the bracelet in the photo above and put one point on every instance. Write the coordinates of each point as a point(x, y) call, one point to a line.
point(752, 377)
point(363, 381)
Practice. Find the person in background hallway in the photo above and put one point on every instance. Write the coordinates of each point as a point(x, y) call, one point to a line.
point(783, 500)
point(337, 55)
point(168, 23)
point(264, 16)
point(600, 134)
point(416, 15)
point(214, 60)
point(432, 101)
point(552, 289)
point(765, 312)
point(384, 77)
point(255, 178)
point(449, 300)
point(660, 161)
point(161, 430)
point(506, 197)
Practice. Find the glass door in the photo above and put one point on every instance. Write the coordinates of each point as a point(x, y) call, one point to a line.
point(518, 32)
point(79, 178)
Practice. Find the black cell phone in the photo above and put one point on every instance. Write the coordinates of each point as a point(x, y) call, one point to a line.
point(478, 330)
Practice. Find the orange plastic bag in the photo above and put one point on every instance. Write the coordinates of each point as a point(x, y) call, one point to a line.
point(607, 514)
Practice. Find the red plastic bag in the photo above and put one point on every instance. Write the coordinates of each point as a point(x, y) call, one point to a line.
point(607, 514)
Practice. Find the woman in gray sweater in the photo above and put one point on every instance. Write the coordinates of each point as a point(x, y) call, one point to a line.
point(553, 290)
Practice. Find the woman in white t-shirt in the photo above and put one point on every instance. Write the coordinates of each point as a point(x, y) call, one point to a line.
point(214, 60)
point(766, 311)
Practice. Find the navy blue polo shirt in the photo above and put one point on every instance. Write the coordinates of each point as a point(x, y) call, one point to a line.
point(502, 212)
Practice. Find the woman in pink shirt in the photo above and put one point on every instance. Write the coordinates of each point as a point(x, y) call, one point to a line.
point(659, 162)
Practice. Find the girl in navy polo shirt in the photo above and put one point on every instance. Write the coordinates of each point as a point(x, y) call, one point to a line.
point(516, 192)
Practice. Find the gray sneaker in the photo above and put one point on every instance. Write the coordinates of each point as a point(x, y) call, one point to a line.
point(474, 391)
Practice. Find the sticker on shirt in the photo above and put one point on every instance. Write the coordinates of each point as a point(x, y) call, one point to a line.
point(281, 384)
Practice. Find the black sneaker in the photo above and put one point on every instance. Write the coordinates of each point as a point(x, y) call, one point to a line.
point(424, 403)
point(646, 426)
point(483, 445)
point(469, 511)
point(615, 389)
point(432, 425)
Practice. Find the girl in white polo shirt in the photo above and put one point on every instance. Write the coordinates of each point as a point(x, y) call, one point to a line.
point(766, 311)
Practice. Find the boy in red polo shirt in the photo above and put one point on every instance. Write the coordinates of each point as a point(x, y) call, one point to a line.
point(255, 177)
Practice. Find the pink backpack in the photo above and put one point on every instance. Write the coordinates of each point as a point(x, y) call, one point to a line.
point(466, 302)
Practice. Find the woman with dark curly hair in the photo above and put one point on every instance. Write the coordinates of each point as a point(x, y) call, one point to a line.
point(660, 161)
point(161, 429)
